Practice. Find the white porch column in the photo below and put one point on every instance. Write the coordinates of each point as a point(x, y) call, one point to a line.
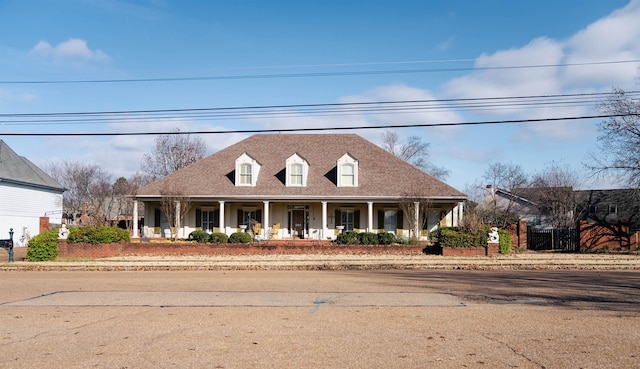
point(135, 220)
point(177, 219)
point(324, 219)
point(370, 216)
point(265, 219)
point(221, 216)
point(416, 216)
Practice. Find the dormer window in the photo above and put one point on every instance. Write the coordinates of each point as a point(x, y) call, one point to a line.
point(347, 171)
point(247, 169)
point(245, 174)
point(297, 170)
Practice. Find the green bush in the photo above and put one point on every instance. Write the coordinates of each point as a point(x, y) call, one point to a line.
point(218, 237)
point(96, 235)
point(368, 238)
point(44, 246)
point(348, 238)
point(504, 246)
point(386, 238)
point(452, 237)
point(240, 237)
point(199, 236)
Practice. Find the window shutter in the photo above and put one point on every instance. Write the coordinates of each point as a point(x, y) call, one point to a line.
point(156, 217)
point(216, 218)
point(356, 219)
point(338, 218)
point(240, 216)
point(198, 218)
point(259, 215)
point(380, 219)
point(400, 218)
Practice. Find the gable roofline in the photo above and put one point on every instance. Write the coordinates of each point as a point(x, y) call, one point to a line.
point(381, 174)
point(19, 170)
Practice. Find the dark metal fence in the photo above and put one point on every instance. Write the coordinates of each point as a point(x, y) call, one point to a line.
point(553, 239)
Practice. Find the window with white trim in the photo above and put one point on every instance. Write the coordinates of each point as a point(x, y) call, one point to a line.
point(247, 170)
point(297, 171)
point(347, 171)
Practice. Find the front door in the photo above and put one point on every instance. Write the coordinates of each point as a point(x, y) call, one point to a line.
point(297, 222)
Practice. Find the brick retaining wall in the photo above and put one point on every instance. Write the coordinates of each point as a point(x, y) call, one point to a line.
point(84, 250)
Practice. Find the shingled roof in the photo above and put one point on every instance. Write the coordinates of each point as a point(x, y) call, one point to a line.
point(381, 174)
point(18, 169)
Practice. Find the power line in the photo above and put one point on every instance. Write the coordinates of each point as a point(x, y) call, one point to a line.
point(298, 110)
point(319, 129)
point(308, 74)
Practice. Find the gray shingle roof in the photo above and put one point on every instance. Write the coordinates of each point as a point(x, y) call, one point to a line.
point(381, 174)
point(18, 169)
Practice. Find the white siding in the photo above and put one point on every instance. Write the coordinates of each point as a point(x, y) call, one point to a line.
point(23, 206)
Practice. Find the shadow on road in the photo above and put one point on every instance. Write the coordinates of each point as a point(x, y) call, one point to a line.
point(578, 289)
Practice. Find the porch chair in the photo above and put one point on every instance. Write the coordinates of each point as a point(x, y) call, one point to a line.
point(274, 231)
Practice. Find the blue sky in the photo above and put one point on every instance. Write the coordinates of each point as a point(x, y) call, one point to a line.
point(456, 41)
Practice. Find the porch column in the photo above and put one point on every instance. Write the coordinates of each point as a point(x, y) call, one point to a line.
point(177, 218)
point(324, 219)
point(416, 216)
point(135, 220)
point(265, 219)
point(222, 228)
point(370, 216)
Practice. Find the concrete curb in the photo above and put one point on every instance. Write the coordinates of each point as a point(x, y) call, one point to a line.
point(338, 262)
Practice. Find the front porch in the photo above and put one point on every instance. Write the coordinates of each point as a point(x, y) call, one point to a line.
point(295, 221)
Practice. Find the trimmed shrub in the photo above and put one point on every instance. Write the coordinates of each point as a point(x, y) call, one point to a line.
point(504, 246)
point(44, 246)
point(96, 235)
point(348, 238)
point(451, 237)
point(199, 236)
point(240, 237)
point(368, 238)
point(218, 237)
point(386, 238)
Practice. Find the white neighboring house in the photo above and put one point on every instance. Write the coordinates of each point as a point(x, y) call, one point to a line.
point(26, 194)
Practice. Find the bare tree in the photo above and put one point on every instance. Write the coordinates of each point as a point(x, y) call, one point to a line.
point(171, 153)
point(555, 195)
point(408, 204)
point(174, 204)
point(413, 151)
point(618, 147)
point(85, 188)
point(503, 177)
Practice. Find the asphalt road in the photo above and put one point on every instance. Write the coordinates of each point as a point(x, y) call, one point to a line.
point(326, 319)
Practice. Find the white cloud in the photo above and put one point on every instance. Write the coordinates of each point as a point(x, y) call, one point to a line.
point(428, 112)
point(512, 82)
point(615, 37)
point(74, 49)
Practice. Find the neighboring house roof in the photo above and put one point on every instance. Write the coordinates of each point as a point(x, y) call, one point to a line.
point(19, 170)
point(611, 206)
point(381, 174)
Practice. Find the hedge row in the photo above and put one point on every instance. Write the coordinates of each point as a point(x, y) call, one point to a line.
point(44, 246)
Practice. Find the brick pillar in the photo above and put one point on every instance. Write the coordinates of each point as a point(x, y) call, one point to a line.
point(522, 234)
point(493, 248)
point(63, 251)
point(44, 224)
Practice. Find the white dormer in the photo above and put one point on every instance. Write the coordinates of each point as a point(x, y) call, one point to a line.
point(347, 171)
point(247, 170)
point(297, 171)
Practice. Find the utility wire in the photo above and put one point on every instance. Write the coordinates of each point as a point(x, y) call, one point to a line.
point(301, 110)
point(318, 129)
point(308, 74)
